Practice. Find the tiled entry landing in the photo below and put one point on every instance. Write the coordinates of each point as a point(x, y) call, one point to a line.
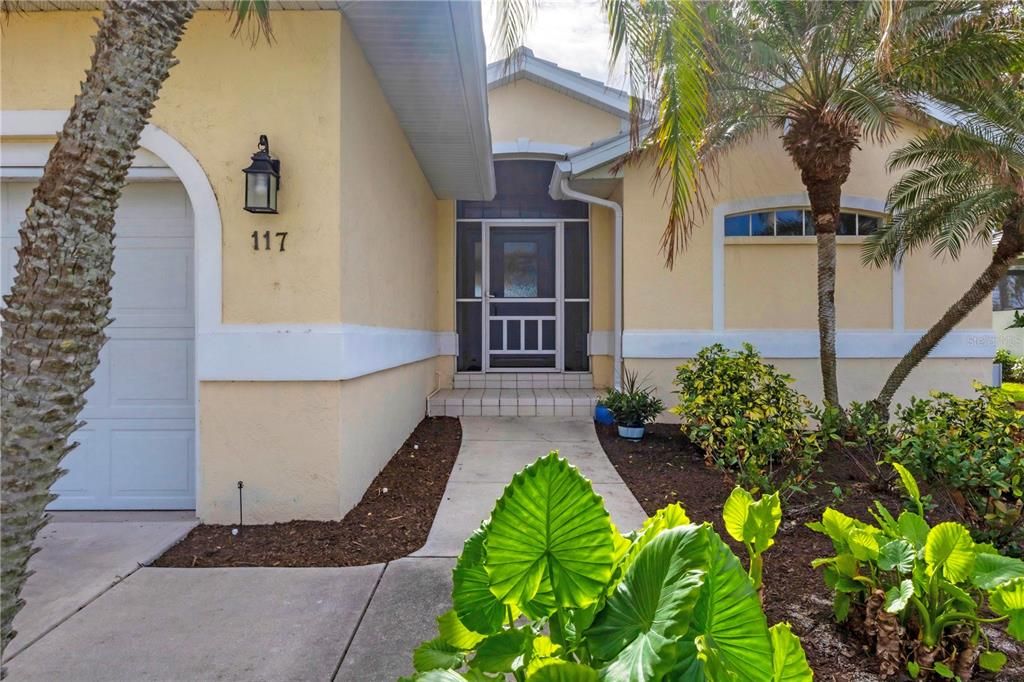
point(516, 395)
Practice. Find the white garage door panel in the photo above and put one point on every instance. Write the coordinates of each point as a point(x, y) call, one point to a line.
point(118, 465)
point(137, 450)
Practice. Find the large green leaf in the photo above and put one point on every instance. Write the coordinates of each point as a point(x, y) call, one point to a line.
point(439, 676)
point(863, 544)
point(564, 672)
point(652, 606)
point(549, 523)
point(992, 570)
point(908, 481)
point(752, 523)
point(477, 608)
point(950, 549)
point(1008, 600)
point(503, 652)
point(993, 661)
point(455, 633)
point(667, 517)
point(436, 654)
point(898, 596)
point(897, 555)
point(789, 663)
point(914, 528)
point(730, 618)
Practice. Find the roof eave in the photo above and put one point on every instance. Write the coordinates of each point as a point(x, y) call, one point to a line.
point(432, 52)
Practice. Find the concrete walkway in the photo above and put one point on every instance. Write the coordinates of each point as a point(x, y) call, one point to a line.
point(495, 448)
point(356, 624)
point(82, 555)
point(416, 590)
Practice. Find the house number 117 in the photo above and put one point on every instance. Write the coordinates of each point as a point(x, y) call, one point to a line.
point(265, 237)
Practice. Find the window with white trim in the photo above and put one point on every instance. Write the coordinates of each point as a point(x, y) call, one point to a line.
point(796, 222)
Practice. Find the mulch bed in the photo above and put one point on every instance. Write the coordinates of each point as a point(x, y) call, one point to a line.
point(665, 467)
point(391, 521)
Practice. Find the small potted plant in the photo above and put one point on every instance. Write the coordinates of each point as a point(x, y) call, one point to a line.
point(634, 407)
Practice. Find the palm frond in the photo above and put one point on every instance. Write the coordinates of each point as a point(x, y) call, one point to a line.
point(512, 21)
point(252, 19)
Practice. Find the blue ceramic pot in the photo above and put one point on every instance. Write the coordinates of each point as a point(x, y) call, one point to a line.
point(602, 415)
point(631, 432)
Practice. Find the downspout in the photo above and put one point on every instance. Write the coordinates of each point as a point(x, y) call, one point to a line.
point(617, 210)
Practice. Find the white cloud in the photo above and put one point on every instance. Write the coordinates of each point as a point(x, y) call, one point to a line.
point(571, 33)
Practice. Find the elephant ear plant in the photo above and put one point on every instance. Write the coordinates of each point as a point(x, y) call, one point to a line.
point(548, 589)
point(921, 593)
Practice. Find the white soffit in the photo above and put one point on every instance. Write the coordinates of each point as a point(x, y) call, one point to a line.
point(430, 61)
point(526, 66)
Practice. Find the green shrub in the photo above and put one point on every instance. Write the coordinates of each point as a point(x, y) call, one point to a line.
point(918, 591)
point(1013, 365)
point(636, 404)
point(747, 418)
point(974, 447)
point(548, 589)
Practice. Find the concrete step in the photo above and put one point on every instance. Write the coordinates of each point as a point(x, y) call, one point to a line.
point(513, 402)
point(523, 380)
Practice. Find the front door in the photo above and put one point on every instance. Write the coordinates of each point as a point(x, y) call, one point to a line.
point(521, 295)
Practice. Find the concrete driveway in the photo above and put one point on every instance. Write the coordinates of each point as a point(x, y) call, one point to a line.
point(84, 554)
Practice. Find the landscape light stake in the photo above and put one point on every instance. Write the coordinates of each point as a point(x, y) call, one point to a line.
point(240, 486)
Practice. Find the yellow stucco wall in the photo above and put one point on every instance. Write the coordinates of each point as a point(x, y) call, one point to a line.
point(305, 450)
point(378, 412)
point(44, 56)
point(656, 298)
point(362, 244)
point(933, 284)
point(282, 439)
point(602, 268)
point(653, 296)
point(526, 109)
point(787, 272)
point(859, 379)
point(388, 237)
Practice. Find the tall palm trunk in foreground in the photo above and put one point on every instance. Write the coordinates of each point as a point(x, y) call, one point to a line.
point(58, 308)
point(1010, 247)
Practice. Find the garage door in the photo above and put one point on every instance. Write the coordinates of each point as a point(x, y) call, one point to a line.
point(137, 450)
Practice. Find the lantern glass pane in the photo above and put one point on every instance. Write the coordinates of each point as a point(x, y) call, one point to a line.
point(272, 195)
point(257, 190)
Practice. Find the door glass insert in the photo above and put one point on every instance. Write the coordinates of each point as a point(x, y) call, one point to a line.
point(522, 305)
point(521, 279)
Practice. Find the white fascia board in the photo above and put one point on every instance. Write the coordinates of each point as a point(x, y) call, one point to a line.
point(469, 42)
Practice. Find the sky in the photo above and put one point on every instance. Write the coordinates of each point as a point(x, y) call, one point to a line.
point(572, 33)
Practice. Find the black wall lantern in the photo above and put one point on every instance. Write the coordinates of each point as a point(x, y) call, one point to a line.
point(262, 180)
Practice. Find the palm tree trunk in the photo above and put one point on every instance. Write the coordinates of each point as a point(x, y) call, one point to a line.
point(826, 247)
point(1010, 248)
point(824, 197)
point(822, 149)
point(58, 308)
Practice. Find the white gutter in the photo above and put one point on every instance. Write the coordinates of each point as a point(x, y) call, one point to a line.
point(617, 209)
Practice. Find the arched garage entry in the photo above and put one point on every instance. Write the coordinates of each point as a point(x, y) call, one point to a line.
point(138, 449)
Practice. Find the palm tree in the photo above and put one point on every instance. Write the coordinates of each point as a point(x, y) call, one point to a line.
point(964, 183)
point(57, 310)
point(826, 75)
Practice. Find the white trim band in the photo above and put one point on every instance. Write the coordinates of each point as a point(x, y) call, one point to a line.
point(602, 343)
point(784, 343)
point(310, 353)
